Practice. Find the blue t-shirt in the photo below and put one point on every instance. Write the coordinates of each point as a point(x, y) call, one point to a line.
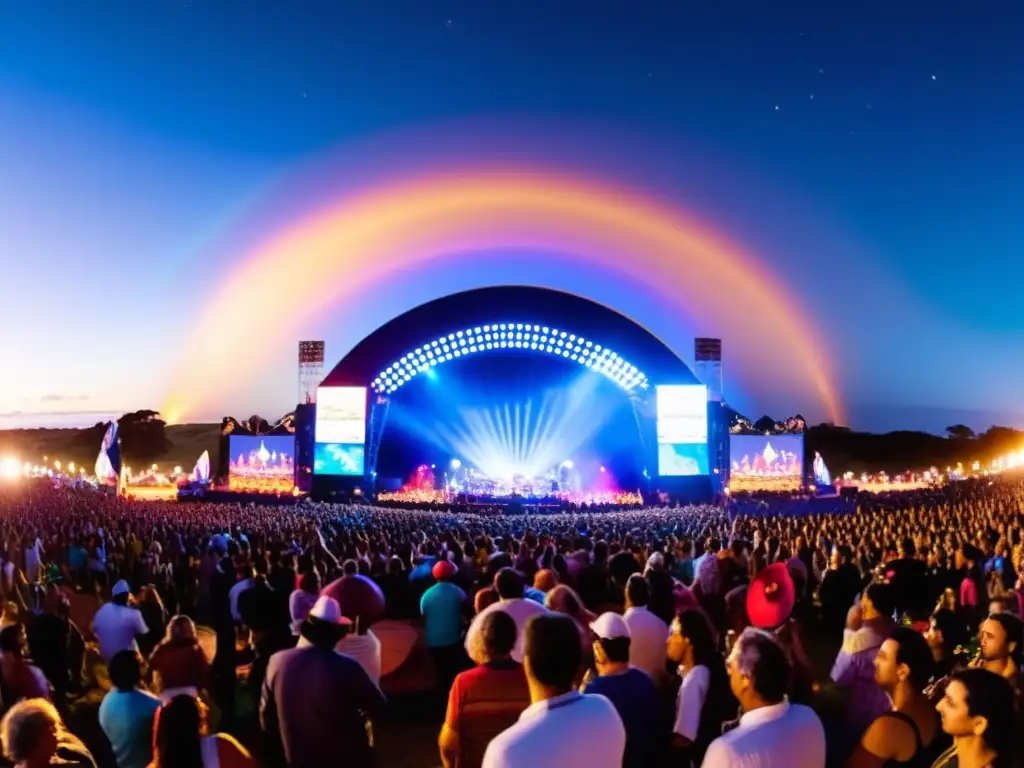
point(77, 557)
point(126, 717)
point(534, 594)
point(441, 606)
point(636, 700)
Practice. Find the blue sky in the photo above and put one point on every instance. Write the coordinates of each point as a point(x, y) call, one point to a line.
point(132, 135)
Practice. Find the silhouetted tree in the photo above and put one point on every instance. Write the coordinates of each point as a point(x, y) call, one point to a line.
point(143, 435)
point(960, 432)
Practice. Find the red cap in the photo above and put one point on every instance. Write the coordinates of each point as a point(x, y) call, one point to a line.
point(771, 597)
point(443, 570)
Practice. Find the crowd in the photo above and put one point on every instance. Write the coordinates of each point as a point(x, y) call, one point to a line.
point(881, 632)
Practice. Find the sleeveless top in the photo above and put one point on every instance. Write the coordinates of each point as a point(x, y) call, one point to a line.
point(922, 757)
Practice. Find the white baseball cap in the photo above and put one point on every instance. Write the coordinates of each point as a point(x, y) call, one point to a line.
point(121, 588)
point(610, 626)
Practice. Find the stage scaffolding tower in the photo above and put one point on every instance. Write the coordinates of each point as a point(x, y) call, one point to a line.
point(375, 431)
point(311, 370)
point(707, 356)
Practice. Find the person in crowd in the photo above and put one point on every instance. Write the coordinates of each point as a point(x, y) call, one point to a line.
point(56, 644)
point(854, 669)
point(907, 734)
point(704, 700)
point(315, 700)
point(630, 690)
point(155, 616)
point(947, 637)
point(116, 625)
point(264, 610)
point(484, 599)
point(243, 579)
point(443, 606)
point(33, 736)
point(561, 726)
point(485, 700)
point(127, 712)
point(509, 586)
point(19, 679)
point(977, 711)
point(178, 663)
point(563, 599)
point(771, 731)
point(770, 602)
point(363, 645)
point(647, 632)
point(545, 580)
point(181, 739)
point(301, 600)
point(1001, 644)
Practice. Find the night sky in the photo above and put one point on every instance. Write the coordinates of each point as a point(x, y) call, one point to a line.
point(868, 154)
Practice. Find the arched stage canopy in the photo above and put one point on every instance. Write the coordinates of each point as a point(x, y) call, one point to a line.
point(531, 319)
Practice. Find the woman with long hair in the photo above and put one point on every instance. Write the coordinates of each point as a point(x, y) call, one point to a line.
point(563, 599)
point(179, 664)
point(180, 739)
point(704, 701)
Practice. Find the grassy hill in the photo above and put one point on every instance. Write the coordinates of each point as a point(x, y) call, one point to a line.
point(65, 445)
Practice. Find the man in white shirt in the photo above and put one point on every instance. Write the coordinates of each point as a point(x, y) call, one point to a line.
point(562, 727)
point(236, 591)
point(509, 586)
point(648, 633)
point(772, 732)
point(116, 625)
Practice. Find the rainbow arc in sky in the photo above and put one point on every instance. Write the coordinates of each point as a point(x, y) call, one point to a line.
point(355, 244)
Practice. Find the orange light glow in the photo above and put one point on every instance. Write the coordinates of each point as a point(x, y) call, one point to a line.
point(352, 247)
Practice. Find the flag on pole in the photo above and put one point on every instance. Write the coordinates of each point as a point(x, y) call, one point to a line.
point(108, 462)
point(201, 473)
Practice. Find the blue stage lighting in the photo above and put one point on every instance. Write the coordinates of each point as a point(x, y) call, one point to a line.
point(511, 336)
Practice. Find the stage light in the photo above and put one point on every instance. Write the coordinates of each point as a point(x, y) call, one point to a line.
point(553, 341)
point(567, 464)
point(602, 469)
point(456, 463)
point(10, 469)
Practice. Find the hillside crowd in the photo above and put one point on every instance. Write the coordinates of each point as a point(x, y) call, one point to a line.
point(767, 633)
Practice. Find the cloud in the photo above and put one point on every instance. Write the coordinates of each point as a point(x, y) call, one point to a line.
point(68, 419)
point(63, 398)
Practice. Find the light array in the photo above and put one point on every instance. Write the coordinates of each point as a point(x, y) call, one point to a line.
point(523, 336)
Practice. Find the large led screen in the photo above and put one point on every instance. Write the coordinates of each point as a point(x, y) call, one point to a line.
point(766, 462)
point(340, 431)
point(682, 427)
point(259, 458)
point(338, 459)
point(341, 415)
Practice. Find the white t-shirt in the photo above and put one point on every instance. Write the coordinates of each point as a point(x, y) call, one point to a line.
point(519, 609)
point(33, 557)
point(782, 735)
point(690, 701)
point(648, 635)
point(366, 650)
point(569, 730)
point(233, 594)
point(116, 627)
